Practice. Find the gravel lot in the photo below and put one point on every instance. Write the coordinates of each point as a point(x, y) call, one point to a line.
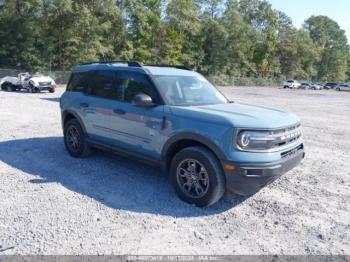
point(51, 203)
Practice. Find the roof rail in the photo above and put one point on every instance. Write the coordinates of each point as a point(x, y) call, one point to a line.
point(175, 66)
point(129, 63)
point(136, 64)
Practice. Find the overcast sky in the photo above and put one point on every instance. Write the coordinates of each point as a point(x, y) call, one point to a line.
point(300, 10)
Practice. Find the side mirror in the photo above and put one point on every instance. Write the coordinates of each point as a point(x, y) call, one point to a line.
point(142, 100)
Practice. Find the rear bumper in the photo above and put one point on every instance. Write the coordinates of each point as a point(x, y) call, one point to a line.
point(248, 178)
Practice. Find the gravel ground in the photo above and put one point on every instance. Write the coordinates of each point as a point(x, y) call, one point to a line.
point(51, 203)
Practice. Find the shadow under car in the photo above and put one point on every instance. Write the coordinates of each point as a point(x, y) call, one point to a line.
point(115, 181)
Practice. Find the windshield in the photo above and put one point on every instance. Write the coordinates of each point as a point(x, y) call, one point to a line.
point(188, 90)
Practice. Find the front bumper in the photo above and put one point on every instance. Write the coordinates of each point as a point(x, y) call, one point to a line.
point(44, 87)
point(248, 178)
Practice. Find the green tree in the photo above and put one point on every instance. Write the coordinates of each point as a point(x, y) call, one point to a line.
point(80, 31)
point(298, 54)
point(333, 46)
point(145, 29)
point(183, 17)
point(264, 20)
point(308, 56)
point(232, 38)
point(20, 34)
point(238, 52)
point(214, 45)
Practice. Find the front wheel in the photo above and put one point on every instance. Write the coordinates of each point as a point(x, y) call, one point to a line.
point(33, 88)
point(338, 89)
point(52, 90)
point(75, 139)
point(197, 176)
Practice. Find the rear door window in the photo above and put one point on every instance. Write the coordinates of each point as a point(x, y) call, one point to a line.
point(79, 82)
point(103, 85)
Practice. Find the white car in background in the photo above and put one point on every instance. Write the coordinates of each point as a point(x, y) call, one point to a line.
point(32, 83)
point(291, 84)
point(343, 87)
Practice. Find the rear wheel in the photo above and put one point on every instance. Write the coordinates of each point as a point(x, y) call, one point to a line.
point(75, 139)
point(8, 87)
point(338, 89)
point(197, 176)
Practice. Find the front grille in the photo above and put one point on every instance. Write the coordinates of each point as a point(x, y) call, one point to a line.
point(285, 136)
point(44, 83)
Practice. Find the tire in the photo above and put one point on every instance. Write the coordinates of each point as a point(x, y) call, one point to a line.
point(33, 89)
point(8, 87)
point(52, 90)
point(200, 192)
point(338, 89)
point(75, 145)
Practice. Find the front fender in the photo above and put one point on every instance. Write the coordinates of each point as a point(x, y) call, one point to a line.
point(195, 137)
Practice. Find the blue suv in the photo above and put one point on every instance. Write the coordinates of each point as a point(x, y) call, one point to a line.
point(174, 118)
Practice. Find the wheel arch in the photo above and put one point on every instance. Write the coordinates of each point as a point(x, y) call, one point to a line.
point(68, 115)
point(184, 140)
point(7, 82)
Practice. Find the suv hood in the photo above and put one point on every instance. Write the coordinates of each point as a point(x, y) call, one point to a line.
point(42, 78)
point(240, 115)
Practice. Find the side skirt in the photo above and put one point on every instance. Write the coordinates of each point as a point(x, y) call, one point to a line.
point(124, 153)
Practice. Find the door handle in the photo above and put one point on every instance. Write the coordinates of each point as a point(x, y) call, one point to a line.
point(119, 111)
point(84, 105)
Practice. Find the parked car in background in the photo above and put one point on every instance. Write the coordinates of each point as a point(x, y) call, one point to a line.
point(315, 86)
point(291, 84)
point(305, 85)
point(172, 117)
point(330, 85)
point(31, 83)
point(343, 87)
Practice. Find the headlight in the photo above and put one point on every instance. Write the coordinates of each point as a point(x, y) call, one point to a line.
point(255, 140)
point(260, 140)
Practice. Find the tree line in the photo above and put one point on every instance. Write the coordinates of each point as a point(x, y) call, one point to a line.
point(231, 38)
